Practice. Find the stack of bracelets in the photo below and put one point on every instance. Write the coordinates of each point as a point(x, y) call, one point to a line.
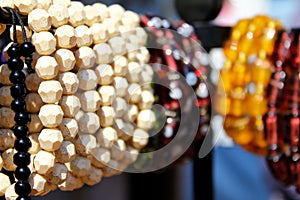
point(178, 49)
point(88, 96)
point(259, 96)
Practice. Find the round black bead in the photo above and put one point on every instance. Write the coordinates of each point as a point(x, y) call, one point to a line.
point(22, 173)
point(22, 159)
point(15, 63)
point(17, 77)
point(27, 49)
point(18, 105)
point(22, 118)
point(18, 90)
point(22, 144)
point(24, 198)
point(20, 131)
point(22, 188)
point(14, 50)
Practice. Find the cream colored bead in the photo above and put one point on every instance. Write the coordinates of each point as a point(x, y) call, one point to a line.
point(31, 165)
point(69, 82)
point(145, 80)
point(69, 128)
point(147, 100)
point(25, 6)
point(76, 14)
point(4, 183)
point(142, 35)
point(35, 144)
point(79, 115)
point(99, 157)
point(107, 116)
point(50, 91)
point(80, 166)
point(117, 45)
point(104, 74)
point(120, 84)
point(85, 58)
point(7, 3)
point(104, 54)
point(112, 168)
point(130, 19)
point(99, 33)
point(33, 82)
point(131, 155)
point(66, 152)
point(90, 101)
point(93, 177)
point(85, 143)
point(102, 10)
point(1, 162)
point(107, 95)
point(84, 36)
point(65, 36)
point(70, 105)
point(140, 138)
point(38, 183)
point(19, 33)
point(44, 162)
point(124, 130)
point(46, 67)
point(144, 56)
point(116, 11)
point(89, 123)
point(59, 174)
point(7, 139)
point(134, 92)
point(5, 96)
point(33, 102)
point(7, 117)
point(120, 107)
point(35, 125)
point(39, 20)
point(49, 187)
point(51, 115)
point(71, 183)
point(44, 4)
point(131, 113)
point(8, 157)
point(50, 139)
point(120, 65)
point(4, 74)
point(118, 150)
point(112, 26)
point(6, 56)
point(64, 3)
point(10, 193)
point(146, 119)
point(87, 79)
point(59, 14)
point(91, 15)
point(106, 137)
point(65, 59)
point(134, 71)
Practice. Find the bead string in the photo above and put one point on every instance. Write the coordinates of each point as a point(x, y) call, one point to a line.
point(18, 92)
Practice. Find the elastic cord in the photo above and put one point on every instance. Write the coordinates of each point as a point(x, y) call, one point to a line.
point(22, 25)
point(13, 16)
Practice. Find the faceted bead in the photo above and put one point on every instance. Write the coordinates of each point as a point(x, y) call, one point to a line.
point(20, 131)
point(22, 118)
point(22, 144)
point(15, 64)
point(27, 49)
point(22, 159)
point(17, 77)
point(23, 188)
point(18, 105)
point(18, 90)
point(14, 51)
point(22, 173)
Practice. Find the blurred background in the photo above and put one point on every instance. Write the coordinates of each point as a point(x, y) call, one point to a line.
point(231, 173)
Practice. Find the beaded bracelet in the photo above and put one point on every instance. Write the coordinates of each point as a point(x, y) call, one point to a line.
point(178, 48)
point(89, 96)
point(244, 79)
